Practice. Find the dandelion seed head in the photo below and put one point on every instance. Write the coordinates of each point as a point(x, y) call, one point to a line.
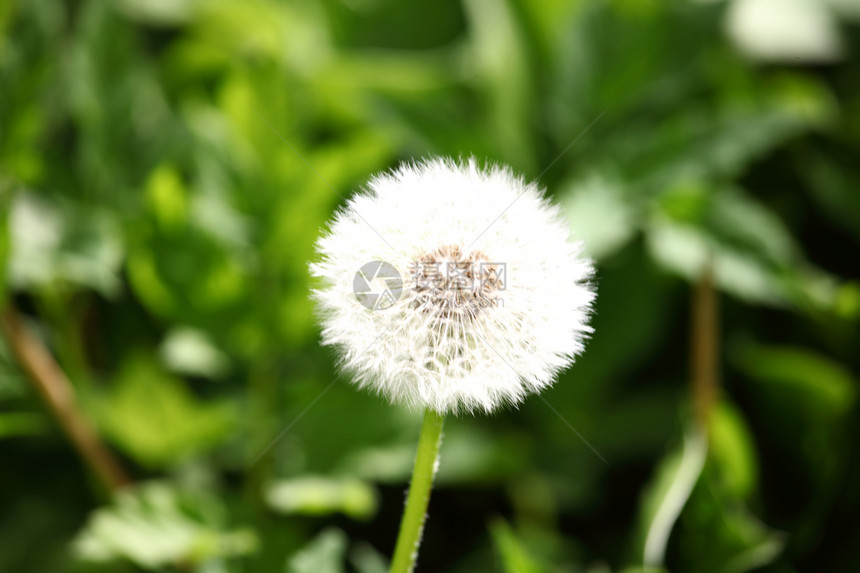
point(492, 295)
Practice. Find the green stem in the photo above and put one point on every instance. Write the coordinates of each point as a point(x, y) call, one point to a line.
point(409, 538)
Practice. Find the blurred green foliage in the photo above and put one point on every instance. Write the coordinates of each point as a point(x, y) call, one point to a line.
point(166, 166)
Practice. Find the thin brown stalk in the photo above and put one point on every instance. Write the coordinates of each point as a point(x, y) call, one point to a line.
point(705, 348)
point(59, 396)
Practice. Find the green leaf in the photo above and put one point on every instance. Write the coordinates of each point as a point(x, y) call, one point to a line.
point(806, 399)
point(822, 385)
point(189, 259)
point(498, 51)
point(5, 202)
point(156, 420)
point(720, 535)
point(752, 254)
point(325, 554)
point(696, 226)
point(667, 494)
point(189, 351)
point(14, 424)
point(731, 447)
point(167, 197)
point(697, 496)
point(715, 146)
point(154, 525)
point(599, 214)
point(317, 495)
point(60, 241)
point(514, 556)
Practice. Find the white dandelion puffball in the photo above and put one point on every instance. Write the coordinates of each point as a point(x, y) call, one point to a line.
point(452, 287)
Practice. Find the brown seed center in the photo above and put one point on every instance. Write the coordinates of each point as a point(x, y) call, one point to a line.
point(455, 285)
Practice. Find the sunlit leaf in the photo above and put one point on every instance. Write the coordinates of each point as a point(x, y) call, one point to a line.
point(63, 242)
point(314, 495)
point(155, 525)
point(191, 352)
point(785, 30)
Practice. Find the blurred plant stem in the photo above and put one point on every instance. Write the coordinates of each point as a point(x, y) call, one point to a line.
point(704, 348)
point(57, 392)
point(415, 512)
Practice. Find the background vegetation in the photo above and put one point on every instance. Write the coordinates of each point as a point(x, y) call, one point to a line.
point(165, 168)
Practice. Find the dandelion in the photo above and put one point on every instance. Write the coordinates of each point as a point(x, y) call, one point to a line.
point(454, 289)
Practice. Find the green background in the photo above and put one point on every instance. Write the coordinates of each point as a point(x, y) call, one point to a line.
point(166, 167)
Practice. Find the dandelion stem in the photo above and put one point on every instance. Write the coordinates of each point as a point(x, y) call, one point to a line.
point(414, 514)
